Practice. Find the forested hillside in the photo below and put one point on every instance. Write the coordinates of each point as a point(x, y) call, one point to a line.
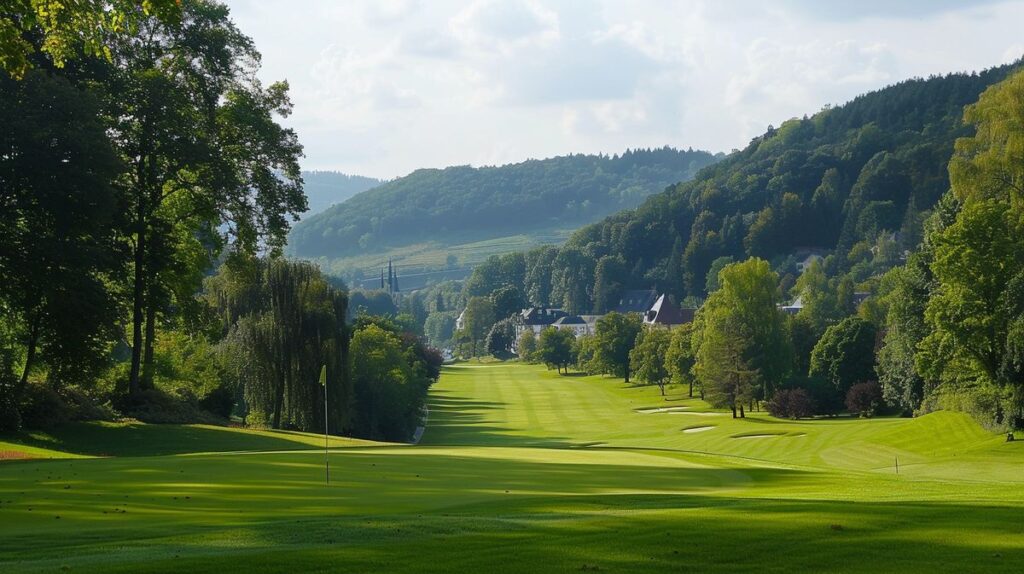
point(856, 181)
point(430, 204)
point(326, 188)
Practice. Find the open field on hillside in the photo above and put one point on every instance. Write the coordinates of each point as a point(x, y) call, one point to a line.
point(521, 470)
point(432, 257)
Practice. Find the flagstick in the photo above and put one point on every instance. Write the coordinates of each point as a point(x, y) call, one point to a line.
point(327, 460)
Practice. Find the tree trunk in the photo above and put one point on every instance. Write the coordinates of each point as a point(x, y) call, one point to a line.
point(279, 395)
point(691, 388)
point(147, 359)
point(278, 400)
point(30, 358)
point(138, 291)
point(742, 414)
point(627, 372)
point(733, 411)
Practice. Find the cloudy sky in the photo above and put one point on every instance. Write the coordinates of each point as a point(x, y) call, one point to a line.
point(383, 87)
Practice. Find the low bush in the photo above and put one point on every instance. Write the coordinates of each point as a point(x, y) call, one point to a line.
point(791, 403)
point(156, 406)
point(864, 398)
point(220, 401)
point(43, 408)
point(10, 418)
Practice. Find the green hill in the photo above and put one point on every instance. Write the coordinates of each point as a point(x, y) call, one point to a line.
point(326, 188)
point(463, 204)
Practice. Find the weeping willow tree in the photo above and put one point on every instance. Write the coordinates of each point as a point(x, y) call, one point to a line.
point(283, 321)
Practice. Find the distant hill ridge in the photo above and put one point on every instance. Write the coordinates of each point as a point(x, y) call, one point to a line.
point(429, 204)
point(327, 188)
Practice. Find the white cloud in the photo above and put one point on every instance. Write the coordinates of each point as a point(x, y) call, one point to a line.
point(384, 87)
point(384, 12)
point(505, 26)
point(348, 87)
point(786, 80)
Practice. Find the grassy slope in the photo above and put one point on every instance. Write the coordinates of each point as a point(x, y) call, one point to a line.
point(521, 470)
point(433, 255)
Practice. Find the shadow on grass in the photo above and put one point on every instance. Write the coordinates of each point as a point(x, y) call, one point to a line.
point(138, 439)
point(432, 512)
point(459, 421)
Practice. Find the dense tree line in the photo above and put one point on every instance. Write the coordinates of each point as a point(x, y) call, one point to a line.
point(124, 175)
point(139, 150)
point(556, 193)
point(955, 321)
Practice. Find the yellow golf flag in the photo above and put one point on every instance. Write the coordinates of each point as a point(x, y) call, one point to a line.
point(323, 375)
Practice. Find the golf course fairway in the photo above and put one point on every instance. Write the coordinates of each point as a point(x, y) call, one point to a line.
point(522, 470)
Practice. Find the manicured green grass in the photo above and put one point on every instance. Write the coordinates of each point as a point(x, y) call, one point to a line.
point(521, 470)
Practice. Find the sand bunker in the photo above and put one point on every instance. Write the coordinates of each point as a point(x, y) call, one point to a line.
point(697, 429)
point(661, 410)
point(771, 435)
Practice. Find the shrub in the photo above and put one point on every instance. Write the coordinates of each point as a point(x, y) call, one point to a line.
point(85, 408)
point(43, 408)
point(10, 418)
point(864, 398)
point(220, 401)
point(791, 403)
point(827, 400)
point(156, 406)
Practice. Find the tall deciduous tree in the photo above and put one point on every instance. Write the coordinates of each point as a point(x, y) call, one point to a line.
point(845, 355)
point(679, 357)
point(526, 346)
point(648, 357)
point(501, 338)
point(820, 303)
point(609, 275)
point(976, 313)
point(477, 320)
point(66, 29)
point(728, 379)
point(901, 384)
point(555, 348)
point(205, 154)
point(59, 246)
point(613, 340)
point(508, 301)
point(741, 321)
point(383, 381)
point(285, 322)
point(571, 277)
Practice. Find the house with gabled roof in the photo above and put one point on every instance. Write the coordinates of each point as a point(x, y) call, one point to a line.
point(636, 301)
point(665, 313)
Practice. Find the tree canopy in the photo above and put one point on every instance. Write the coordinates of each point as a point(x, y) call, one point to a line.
point(743, 350)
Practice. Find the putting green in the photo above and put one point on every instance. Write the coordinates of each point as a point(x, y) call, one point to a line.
point(521, 470)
